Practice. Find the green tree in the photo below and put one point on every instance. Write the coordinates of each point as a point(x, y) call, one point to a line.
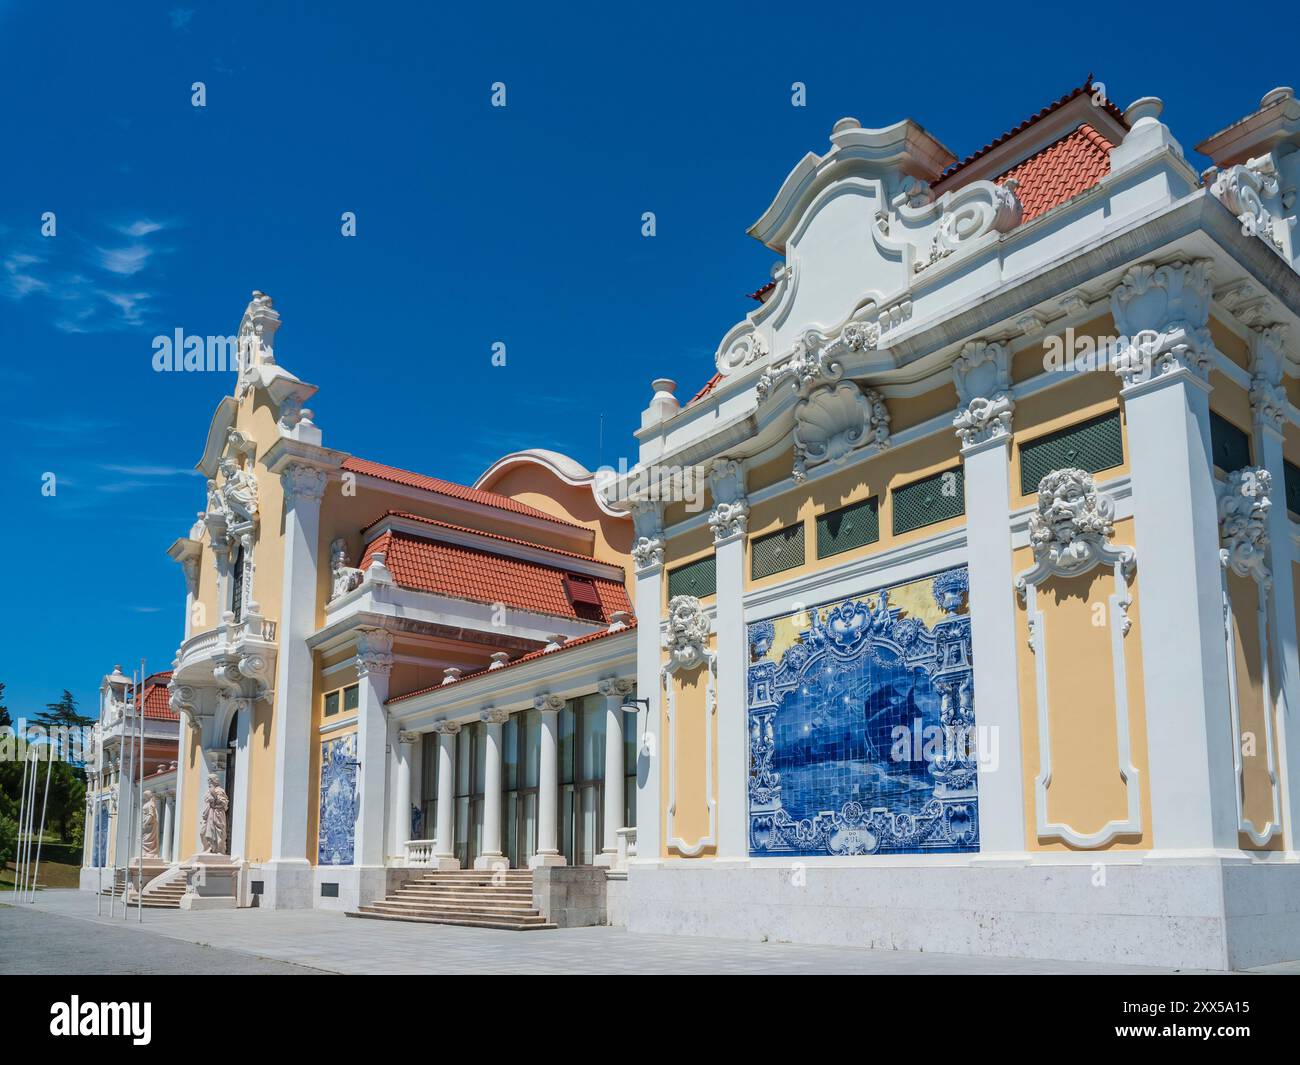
point(4, 710)
point(64, 712)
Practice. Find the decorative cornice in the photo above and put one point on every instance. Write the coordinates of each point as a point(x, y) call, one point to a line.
point(1243, 522)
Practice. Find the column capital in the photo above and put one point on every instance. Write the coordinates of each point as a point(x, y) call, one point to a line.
point(407, 738)
point(729, 520)
point(1268, 400)
point(982, 374)
point(1163, 312)
point(303, 482)
point(446, 728)
point(374, 652)
point(548, 704)
point(493, 716)
point(648, 550)
point(616, 686)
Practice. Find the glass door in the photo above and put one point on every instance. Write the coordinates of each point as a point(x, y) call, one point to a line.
point(520, 739)
point(582, 779)
point(471, 757)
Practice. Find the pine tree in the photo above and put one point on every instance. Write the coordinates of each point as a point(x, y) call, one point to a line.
point(4, 710)
point(64, 712)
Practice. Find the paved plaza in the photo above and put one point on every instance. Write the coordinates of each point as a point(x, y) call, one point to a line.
point(60, 933)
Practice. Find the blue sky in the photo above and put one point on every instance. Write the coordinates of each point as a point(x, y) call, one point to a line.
point(475, 225)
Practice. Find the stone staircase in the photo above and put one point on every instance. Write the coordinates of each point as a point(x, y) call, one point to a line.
point(164, 896)
point(471, 897)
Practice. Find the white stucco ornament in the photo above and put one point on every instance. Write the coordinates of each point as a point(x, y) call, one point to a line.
point(835, 420)
point(1243, 522)
point(982, 374)
point(1242, 189)
point(686, 640)
point(1163, 312)
point(345, 576)
point(1070, 530)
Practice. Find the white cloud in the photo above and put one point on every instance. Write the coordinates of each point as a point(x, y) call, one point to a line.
point(140, 228)
point(126, 261)
point(151, 471)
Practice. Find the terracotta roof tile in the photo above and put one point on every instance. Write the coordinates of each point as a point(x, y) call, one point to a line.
point(483, 577)
point(760, 294)
point(1061, 171)
point(577, 641)
point(477, 532)
point(709, 387)
point(157, 700)
point(447, 488)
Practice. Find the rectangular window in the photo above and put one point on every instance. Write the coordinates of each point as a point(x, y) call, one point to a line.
point(351, 697)
point(1229, 445)
point(930, 500)
point(841, 530)
point(348, 698)
point(1291, 472)
point(331, 704)
point(1094, 445)
point(698, 578)
point(776, 552)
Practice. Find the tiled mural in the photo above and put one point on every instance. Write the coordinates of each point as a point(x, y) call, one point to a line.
point(338, 800)
point(862, 725)
point(100, 855)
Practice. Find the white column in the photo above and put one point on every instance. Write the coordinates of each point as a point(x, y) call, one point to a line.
point(239, 801)
point(182, 758)
point(492, 856)
point(548, 852)
point(374, 664)
point(168, 827)
point(983, 425)
point(615, 692)
point(304, 486)
point(1268, 402)
point(648, 557)
point(728, 520)
point(402, 807)
point(444, 849)
point(1185, 678)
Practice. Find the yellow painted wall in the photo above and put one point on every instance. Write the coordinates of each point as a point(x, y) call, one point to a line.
point(694, 726)
point(195, 784)
point(1086, 790)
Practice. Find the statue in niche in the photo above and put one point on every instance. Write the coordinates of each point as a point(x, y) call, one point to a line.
point(239, 491)
point(149, 827)
point(212, 820)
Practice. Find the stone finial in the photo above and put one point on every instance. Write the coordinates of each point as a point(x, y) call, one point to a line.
point(500, 660)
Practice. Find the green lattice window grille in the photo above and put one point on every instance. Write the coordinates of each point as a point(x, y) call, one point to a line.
point(1291, 472)
point(853, 526)
point(929, 500)
point(781, 550)
point(1229, 445)
point(698, 578)
point(1094, 445)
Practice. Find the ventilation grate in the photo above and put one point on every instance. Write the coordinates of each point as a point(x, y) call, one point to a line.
point(778, 551)
point(856, 525)
point(929, 500)
point(1093, 445)
point(1229, 445)
point(698, 578)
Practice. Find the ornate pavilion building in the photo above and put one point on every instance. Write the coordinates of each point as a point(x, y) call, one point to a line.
point(983, 641)
point(986, 640)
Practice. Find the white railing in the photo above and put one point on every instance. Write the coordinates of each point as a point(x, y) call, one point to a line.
point(419, 852)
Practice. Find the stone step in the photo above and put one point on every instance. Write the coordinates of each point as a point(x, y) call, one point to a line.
point(504, 926)
point(477, 880)
point(495, 893)
point(409, 905)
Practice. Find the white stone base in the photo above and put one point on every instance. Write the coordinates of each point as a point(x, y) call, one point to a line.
point(358, 885)
point(95, 879)
point(1202, 912)
point(214, 902)
point(606, 859)
point(286, 885)
point(616, 900)
point(491, 862)
point(550, 858)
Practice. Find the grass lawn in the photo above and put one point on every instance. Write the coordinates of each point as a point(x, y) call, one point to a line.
point(52, 875)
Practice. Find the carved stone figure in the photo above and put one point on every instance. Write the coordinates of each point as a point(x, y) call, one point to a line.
point(1243, 522)
point(239, 491)
point(212, 820)
point(688, 631)
point(346, 577)
point(149, 826)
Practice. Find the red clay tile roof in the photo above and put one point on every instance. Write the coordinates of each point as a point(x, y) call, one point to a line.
point(447, 488)
point(709, 387)
point(483, 577)
point(760, 294)
point(157, 701)
point(577, 641)
point(478, 532)
point(1086, 87)
point(1061, 171)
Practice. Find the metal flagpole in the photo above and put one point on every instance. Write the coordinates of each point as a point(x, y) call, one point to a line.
point(139, 713)
point(125, 780)
point(31, 816)
point(45, 805)
point(22, 811)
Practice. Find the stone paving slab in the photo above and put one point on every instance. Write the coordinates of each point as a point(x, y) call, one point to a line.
point(301, 941)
